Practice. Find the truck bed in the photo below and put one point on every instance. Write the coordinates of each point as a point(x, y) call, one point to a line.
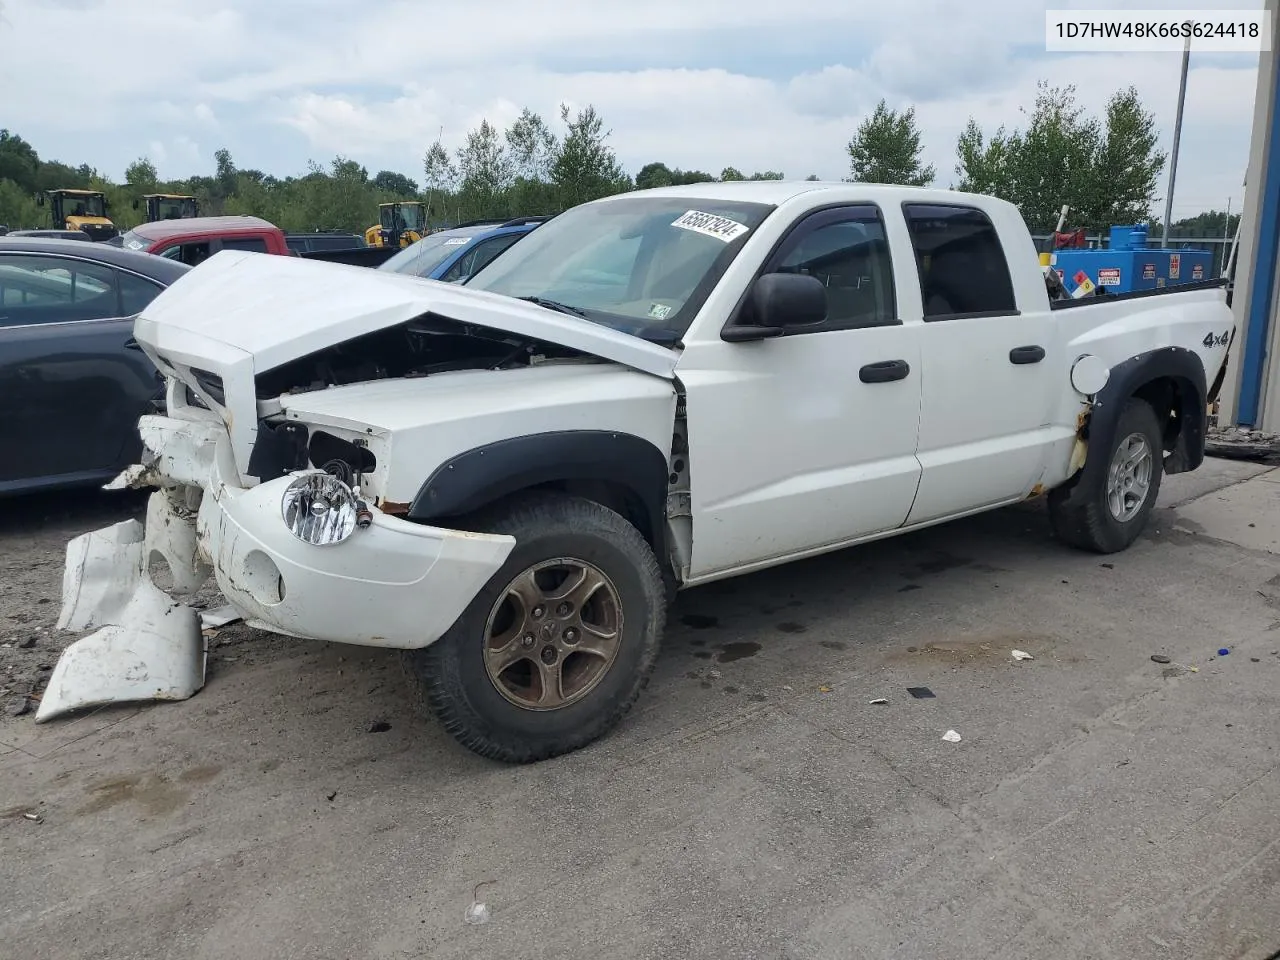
point(1097, 299)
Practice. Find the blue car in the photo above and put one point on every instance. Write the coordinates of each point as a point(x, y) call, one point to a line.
point(457, 254)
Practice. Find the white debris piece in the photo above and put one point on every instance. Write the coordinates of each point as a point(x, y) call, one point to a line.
point(160, 655)
point(478, 912)
point(879, 700)
point(219, 617)
point(1021, 655)
point(951, 736)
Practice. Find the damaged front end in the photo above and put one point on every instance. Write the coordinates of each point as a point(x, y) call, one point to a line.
point(146, 645)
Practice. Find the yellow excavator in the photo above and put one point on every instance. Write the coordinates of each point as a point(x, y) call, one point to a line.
point(84, 210)
point(169, 206)
point(399, 224)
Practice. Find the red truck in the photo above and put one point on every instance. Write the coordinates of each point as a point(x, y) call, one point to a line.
point(194, 239)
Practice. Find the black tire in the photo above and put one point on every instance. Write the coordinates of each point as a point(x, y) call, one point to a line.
point(1090, 523)
point(452, 675)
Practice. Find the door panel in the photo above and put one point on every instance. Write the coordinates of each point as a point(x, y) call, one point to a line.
point(985, 421)
point(72, 391)
point(807, 440)
point(791, 450)
point(986, 402)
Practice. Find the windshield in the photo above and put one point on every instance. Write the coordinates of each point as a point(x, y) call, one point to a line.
point(412, 216)
point(82, 205)
point(401, 216)
point(420, 258)
point(642, 265)
point(134, 241)
point(175, 208)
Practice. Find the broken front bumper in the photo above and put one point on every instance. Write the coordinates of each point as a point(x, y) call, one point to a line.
point(391, 584)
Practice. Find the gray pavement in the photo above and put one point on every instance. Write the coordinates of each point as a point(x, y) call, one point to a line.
point(754, 805)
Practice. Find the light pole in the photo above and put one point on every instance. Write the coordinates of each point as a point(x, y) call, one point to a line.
point(1177, 136)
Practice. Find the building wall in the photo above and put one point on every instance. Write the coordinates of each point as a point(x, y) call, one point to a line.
point(1251, 392)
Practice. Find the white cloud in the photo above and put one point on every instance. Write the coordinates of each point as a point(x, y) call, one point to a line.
point(749, 83)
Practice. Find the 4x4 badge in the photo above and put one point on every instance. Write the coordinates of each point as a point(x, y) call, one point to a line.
point(1216, 341)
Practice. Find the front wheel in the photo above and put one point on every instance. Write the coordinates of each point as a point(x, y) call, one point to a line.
point(554, 650)
point(1110, 517)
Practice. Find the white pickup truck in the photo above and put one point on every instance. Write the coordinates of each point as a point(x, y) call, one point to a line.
point(509, 480)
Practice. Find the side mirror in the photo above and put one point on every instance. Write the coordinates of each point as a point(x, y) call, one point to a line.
point(777, 303)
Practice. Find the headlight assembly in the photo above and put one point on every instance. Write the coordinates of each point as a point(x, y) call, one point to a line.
point(320, 509)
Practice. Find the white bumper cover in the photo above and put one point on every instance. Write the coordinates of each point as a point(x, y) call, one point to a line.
point(391, 584)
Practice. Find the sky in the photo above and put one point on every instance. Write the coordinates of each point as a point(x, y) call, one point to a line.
point(699, 84)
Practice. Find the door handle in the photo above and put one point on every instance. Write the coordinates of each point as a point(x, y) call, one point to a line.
point(884, 371)
point(1026, 354)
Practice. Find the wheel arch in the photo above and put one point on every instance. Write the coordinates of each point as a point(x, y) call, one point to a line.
point(1172, 381)
point(621, 471)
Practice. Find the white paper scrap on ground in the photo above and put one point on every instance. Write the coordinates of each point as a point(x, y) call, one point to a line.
point(951, 736)
point(1021, 655)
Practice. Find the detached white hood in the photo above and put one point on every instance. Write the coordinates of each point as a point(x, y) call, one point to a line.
point(240, 314)
point(279, 308)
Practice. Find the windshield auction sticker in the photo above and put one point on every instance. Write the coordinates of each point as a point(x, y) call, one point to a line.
point(708, 224)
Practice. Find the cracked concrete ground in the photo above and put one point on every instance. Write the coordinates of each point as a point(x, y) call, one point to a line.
point(755, 804)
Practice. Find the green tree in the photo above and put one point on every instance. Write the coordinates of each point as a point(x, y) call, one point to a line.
point(654, 175)
point(225, 172)
point(686, 177)
point(585, 167)
point(398, 184)
point(440, 177)
point(886, 149)
point(485, 172)
point(533, 149)
point(729, 174)
point(19, 161)
point(1105, 169)
point(142, 174)
point(1211, 223)
point(532, 146)
point(1128, 165)
point(984, 166)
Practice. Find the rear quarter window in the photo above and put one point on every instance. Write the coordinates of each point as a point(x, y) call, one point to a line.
point(136, 292)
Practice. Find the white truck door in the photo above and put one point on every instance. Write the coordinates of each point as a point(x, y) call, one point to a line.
point(807, 440)
point(989, 353)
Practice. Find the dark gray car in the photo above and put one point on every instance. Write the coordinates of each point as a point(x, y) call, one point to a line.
point(73, 383)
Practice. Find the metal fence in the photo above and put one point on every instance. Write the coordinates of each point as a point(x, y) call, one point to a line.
point(1220, 246)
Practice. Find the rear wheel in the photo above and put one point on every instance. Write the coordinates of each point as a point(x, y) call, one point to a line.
point(555, 649)
point(1111, 516)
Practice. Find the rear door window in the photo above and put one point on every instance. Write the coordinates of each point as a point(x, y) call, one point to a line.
point(55, 290)
point(961, 262)
point(255, 244)
point(192, 254)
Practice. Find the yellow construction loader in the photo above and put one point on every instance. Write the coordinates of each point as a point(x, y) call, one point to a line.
point(399, 224)
point(84, 210)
